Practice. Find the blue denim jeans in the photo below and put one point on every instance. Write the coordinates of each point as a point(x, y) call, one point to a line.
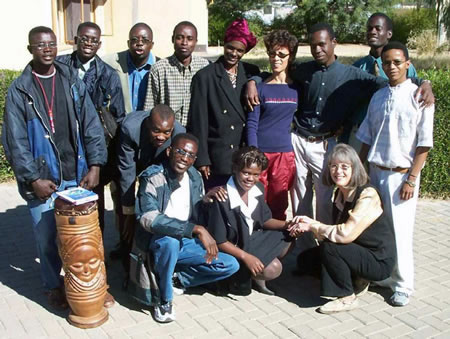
point(44, 229)
point(187, 258)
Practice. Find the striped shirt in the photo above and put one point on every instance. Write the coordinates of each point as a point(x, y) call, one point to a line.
point(170, 84)
point(395, 126)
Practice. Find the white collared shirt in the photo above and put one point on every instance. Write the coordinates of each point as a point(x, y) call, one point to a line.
point(236, 201)
point(395, 126)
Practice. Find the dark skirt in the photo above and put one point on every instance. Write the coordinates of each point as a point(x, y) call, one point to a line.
point(266, 245)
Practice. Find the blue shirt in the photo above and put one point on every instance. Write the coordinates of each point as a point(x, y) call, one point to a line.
point(138, 80)
point(269, 124)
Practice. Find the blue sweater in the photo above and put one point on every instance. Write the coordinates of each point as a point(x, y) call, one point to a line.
point(269, 125)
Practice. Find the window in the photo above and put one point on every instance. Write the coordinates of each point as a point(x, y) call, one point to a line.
point(267, 9)
point(75, 12)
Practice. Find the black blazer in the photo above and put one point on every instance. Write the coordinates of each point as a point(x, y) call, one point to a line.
point(216, 115)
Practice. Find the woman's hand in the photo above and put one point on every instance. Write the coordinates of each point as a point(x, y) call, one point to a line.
point(298, 229)
point(254, 265)
point(219, 193)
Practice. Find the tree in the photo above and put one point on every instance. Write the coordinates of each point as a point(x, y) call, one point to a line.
point(347, 17)
point(222, 12)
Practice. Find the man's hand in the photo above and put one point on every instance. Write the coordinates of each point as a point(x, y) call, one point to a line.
point(90, 180)
point(407, 192)
point(424, 94)
point(251, 94)
point(254, 265)
point(208, 242)
point(205, 171)
point(219, 193)
point(129, 228)
point(43, 188)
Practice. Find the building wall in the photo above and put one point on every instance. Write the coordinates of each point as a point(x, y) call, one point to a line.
point(114, 16)
point(16, 20)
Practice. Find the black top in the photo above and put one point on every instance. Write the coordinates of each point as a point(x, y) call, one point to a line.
point(64, 135)
point(329, 95)
point(378, 237)
point(216, 114)
point(229, 224)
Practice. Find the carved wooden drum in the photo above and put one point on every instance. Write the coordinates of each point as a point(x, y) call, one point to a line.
point(81, 249)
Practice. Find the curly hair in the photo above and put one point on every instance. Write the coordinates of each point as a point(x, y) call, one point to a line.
point(246, 156)
point(281, 38)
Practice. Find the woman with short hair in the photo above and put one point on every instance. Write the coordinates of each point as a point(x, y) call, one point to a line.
point(361, 243)
point(242, 225)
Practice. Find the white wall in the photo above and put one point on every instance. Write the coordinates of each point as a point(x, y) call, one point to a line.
point(17, 17)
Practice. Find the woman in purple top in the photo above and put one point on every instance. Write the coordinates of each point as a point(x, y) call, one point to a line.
point(269, 125)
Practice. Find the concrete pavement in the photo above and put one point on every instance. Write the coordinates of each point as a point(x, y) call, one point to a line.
point(24, 312)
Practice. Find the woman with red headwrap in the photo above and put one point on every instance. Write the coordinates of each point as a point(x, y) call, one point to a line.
point(217, 116)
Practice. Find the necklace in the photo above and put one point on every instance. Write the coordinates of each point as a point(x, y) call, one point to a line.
point(49, 106)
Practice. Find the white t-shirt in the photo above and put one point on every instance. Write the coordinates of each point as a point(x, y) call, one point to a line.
point(179, 205)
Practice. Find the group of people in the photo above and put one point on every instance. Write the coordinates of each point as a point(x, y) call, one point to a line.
point(210, 208)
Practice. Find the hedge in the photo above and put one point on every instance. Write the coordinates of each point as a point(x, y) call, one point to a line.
point(6, 78)
point(435, 181)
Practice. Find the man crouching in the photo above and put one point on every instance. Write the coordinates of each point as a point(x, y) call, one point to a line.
point(169, 213)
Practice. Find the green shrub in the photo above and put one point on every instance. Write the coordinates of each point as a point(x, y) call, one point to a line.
point(435, 181)
point(408, 22)
point(6, 78)
point(424, 42)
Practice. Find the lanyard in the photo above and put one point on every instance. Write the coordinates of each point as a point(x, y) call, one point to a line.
point(49, 107)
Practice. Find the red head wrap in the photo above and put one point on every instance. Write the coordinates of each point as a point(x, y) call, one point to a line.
point(239, 31)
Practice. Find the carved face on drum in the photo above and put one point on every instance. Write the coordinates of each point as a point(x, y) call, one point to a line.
point(85, 262)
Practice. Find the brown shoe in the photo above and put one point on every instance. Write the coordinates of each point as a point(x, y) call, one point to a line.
point(57, 298)
point(109, 300)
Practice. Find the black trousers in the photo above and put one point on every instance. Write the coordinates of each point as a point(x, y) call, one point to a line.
point(342, 262)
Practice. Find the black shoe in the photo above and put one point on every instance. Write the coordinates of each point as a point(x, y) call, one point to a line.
point(116, 253)
point(261, 289)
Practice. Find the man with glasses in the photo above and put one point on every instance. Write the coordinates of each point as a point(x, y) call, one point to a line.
point(143, 140)
point(103, 86)
point(53, 140)
point(133, 66)
point(396, 137)
point(169, 211)
point(379, 32)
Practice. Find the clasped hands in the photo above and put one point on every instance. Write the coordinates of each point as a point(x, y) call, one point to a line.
point(298, 225)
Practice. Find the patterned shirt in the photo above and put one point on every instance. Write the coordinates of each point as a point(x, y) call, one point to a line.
point(395, 126)
point(170, 83)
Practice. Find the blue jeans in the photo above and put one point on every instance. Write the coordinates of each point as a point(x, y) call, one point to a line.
point(44, 228)
point(187, 258)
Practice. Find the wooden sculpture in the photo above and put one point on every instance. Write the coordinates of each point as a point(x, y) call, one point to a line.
point(81, 250)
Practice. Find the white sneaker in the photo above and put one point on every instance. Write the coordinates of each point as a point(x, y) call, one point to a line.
point(164, 313)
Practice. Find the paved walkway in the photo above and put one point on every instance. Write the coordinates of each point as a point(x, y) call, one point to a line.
point(24, 313)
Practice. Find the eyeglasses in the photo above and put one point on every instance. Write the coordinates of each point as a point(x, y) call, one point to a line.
point(344, 167)
point(84, 40)
point(396, 63)
point(184, 153)
point(42, 45)
point(144, 41)
point(278, 54)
